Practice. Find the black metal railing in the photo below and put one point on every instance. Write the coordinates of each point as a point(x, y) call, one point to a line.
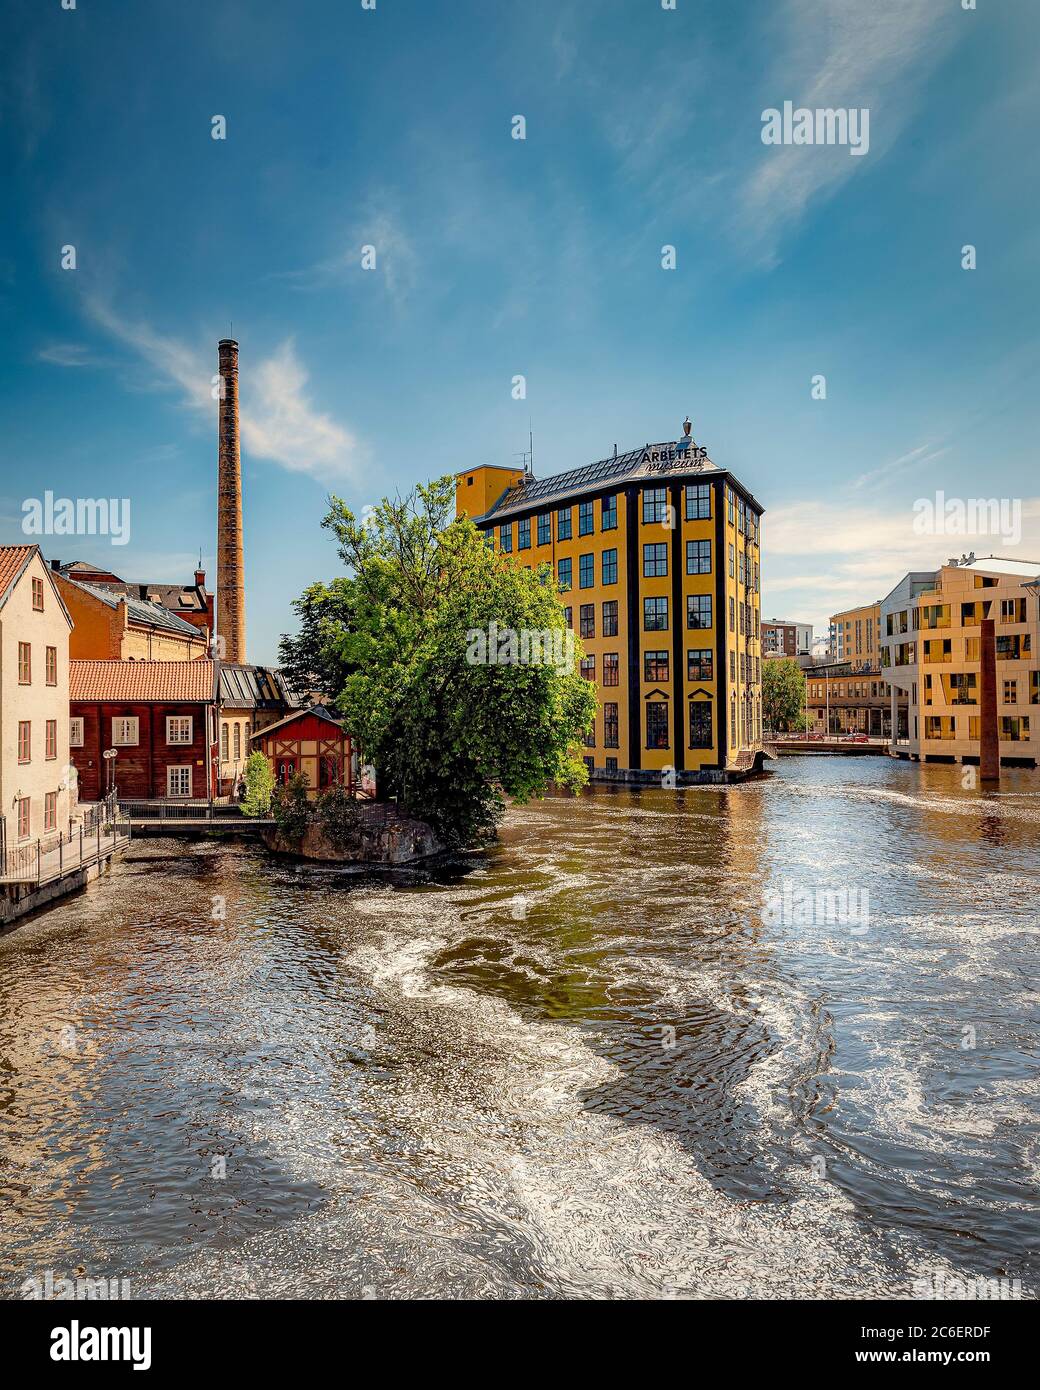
point(93, 836)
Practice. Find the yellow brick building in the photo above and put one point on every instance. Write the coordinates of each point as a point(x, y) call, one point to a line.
point(657, 551)
point(855, 635)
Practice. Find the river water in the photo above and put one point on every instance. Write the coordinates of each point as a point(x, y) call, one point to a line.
point(610, 1058)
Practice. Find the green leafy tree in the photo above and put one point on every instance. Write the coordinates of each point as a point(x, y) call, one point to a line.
point(452, 732)
point(259, 781)
point(292, 810)
point(310, 658)
point(783, 694)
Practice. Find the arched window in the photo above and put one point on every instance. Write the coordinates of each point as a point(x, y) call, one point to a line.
point(238, 742)
point(223, 743)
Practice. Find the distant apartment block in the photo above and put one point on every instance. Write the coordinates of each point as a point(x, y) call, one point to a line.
point(855, 635)
point(841, 698)
point(780, 637)
point(931, 651)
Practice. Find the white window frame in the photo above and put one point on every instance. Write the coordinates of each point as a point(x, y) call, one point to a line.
point(76, 731)
point(126, 742)
point(171, 720)
point(183, 767)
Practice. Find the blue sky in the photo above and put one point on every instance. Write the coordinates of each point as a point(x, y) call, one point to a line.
point(499, 257)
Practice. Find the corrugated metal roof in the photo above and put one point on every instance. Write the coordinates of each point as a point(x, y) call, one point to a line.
point(186, 681)
point(139, 610)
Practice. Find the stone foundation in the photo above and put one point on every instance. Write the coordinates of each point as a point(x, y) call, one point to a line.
point(383, 835)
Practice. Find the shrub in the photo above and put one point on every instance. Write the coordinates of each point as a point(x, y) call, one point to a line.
point(292, 811)
point(259, 786)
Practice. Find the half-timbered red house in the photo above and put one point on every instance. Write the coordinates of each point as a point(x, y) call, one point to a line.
point(159, 717)
point(312, 742)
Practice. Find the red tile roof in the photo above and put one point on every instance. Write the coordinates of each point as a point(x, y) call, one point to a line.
point(12, 559)
point(125, 681)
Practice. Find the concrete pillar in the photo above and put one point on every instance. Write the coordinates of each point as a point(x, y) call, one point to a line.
point(989, 746)
point(231, 594)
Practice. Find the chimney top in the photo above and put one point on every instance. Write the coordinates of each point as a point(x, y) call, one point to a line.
point(200, 578)
point(228, 342)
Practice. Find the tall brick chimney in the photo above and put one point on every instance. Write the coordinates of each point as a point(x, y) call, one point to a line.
point(231, 594)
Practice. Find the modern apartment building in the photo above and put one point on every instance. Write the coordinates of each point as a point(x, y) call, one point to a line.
point(856, 635)
point(657, 552)
point(932, 651)
point(36, 788)
point(781, 637)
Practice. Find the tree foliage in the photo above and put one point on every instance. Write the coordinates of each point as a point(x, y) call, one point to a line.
point(450, 737)
point(259, 780)
point(310, 658)
point(783, 694)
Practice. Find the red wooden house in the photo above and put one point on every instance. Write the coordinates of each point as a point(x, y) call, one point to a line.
point(312, 742)
point(160, 719)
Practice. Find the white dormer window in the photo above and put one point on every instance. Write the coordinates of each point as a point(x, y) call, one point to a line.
point(125, 732)
point(178, 729)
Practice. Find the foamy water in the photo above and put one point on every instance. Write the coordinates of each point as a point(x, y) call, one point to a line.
point(588, 1064)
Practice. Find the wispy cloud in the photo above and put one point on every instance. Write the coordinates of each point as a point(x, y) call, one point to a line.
point(917, 458)
point(396, 261)
point(835, 54)
point(279, 420)
point(68, 355)
point(839, 554)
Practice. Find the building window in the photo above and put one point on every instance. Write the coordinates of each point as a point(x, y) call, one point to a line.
point(609, 567)
point(1014, 729)
point(698, 501)
point(563, 568)
point(125, 732)
point(610, 763)
point(523, 534)
point(732, 554)
point(563, 524)
point(50, 811)
point(76, 732)
point(545, 528)
point(178, 781)
point(655, 500)
point(698, 557)
point(224, 743)
point(655, 560)
point(178, 728)
point(608, 514)
point(590, 763)
point(238, 742)
point(610, 668)
point(50, 742)
point(610, 616)
point(24, 663)
point(732, 668)
point(698, 610)
point(699, 665)
point(657, 724)
point(23, 818)
point(587, 620)
point(586, 522)
point(51, 665)
point(655, 666)
point(732, 615)
point(1011, 692)
point(24, 741)
point(505, 537)
point(586, 571)
point(610, 725)
point(655, 615)
point(588, 668)
point(729, 505)
point(568, 616)
point(37, 594)
point(700, 724)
